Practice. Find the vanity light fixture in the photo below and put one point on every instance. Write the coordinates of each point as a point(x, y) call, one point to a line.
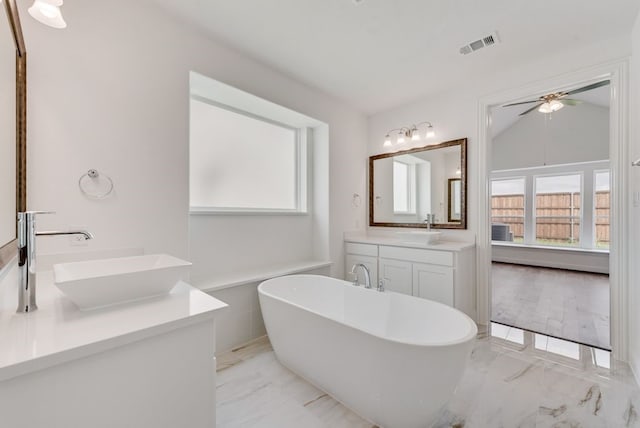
point(412, 133)
point(550, 106)
point(48, 12)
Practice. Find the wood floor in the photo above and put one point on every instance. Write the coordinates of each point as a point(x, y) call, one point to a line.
point(561, 303)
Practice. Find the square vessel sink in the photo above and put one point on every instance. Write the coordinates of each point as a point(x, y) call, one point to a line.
point(421, 236)
point(96, 283)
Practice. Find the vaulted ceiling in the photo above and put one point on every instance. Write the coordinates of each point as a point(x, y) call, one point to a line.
point(377, 54)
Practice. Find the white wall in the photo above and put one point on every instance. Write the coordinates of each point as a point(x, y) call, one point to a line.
point(634, 187)
point(573, 134)
point(111, 92)
point(454, 113)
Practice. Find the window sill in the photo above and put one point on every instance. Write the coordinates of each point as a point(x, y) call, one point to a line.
point(224, 281)
point(548, 247)
point(218, 212)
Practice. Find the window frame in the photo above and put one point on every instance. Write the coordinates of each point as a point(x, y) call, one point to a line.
point(595, 217)
point(302, 161)
point(411, 189)
point(587, 240)
point(525, 201)
point(580, 174)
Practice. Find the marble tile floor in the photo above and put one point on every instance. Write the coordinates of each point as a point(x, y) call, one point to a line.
point(506, 384)
point(556, 302)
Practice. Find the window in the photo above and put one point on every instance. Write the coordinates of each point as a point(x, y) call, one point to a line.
point(403, 188)
point(241, 162)
point(559, 205)
point(602, 204)
point(507, 209)
point(558, 214)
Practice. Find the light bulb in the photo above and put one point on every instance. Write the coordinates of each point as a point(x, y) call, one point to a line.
point(556, 105)
point(458, 171)
point(430, 132)
point(544, 108)
point(48, 13)
point(387, 141)
point(415, 136)
point(550, 107)
point(400, 138)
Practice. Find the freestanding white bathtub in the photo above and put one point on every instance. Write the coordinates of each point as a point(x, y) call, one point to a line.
point(392, 358)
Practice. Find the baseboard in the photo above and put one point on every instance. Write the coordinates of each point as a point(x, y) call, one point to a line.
point(634, 364)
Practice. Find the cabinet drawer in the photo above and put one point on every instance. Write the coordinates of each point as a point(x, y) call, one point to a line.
point(363, 249)
point(444, 258)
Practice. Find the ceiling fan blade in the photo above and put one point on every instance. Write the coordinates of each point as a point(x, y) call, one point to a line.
point(531, 109)
point(589, 87)
point(523, 102)
point(570, 102)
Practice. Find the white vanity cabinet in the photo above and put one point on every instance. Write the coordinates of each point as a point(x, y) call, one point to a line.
point(397, 275)
point(143, 364)
point(444, 272)
point(434, 282)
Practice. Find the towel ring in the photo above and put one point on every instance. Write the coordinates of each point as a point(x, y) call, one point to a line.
point(92, 177)
point(356, 200)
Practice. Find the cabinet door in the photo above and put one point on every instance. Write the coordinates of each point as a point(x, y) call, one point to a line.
point(370, 262)
point(397, 274)
point(433, 282)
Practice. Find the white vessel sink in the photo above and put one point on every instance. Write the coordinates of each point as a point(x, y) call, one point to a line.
point(96, 283)
point(421, 236)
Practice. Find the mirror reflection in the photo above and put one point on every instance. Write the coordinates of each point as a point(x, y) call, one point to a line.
point(7, 131)
point(455, 200)
point(410, 186)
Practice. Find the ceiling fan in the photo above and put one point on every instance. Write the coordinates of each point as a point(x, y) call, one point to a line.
point(556, 100)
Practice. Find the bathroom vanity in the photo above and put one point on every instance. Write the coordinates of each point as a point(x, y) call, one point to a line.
point(148, 363)
point(443, 271)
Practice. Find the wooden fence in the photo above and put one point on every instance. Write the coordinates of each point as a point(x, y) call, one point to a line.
point(558, 216)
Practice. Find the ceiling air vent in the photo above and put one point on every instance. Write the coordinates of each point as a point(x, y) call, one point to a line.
point(488, 40)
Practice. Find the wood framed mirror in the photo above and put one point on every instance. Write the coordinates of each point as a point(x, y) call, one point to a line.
point(13, 128)
point(407, 185)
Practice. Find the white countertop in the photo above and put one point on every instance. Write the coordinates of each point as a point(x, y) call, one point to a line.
point(399, 242)
point(59, 332)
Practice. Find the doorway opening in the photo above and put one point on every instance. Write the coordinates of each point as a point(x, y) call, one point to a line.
point(616, 74)
point(549, 213)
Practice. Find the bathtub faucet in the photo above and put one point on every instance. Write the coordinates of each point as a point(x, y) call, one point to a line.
point(367, 275)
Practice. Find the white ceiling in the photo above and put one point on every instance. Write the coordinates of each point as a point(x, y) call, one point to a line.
point(382, 53)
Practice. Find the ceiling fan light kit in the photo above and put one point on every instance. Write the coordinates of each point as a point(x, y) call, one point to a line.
point(555, 101)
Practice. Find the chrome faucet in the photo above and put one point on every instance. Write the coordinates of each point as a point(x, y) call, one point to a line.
point(27, 257)
point(429, 220)
point(367, 275)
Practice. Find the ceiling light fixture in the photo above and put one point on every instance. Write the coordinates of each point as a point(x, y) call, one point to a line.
point(48, 12)
point(410, 132)
point(550, 106)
